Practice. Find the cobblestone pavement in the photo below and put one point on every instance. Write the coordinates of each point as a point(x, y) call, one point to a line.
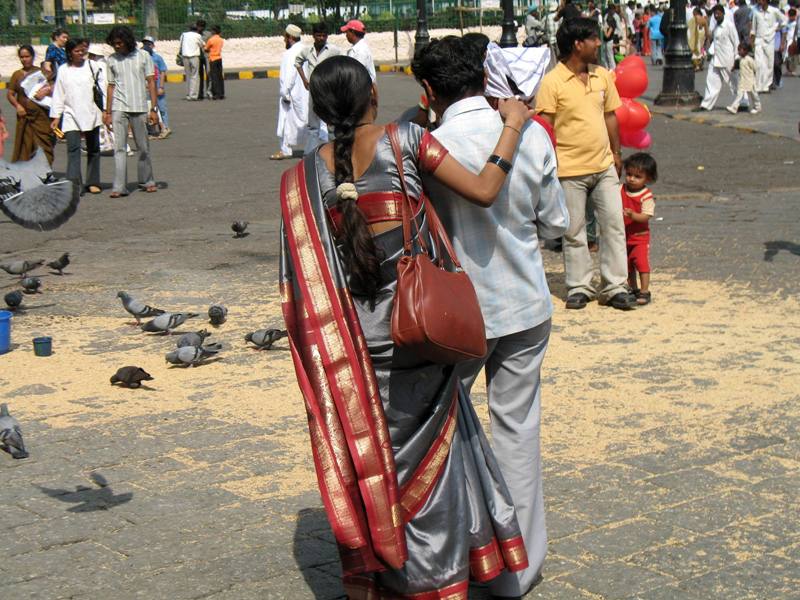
point(672, 460)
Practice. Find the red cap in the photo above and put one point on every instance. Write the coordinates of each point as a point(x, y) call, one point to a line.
point(355, 25)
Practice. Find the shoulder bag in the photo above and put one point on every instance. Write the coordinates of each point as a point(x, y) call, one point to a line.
point(436, 312)
point(97, 93)
point(179, 56)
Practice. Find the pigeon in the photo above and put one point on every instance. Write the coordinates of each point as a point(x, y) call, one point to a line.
point(217, 314)
point(139, 310)
point(21, 267)
point(167, 322)
point(189, 356)
point(193, 339)
point(60, 263)
point(32, 197)
point(264, 338)
point(31, 285)
point(11, 435)
point(131, 377)
point(13, 299)
point(239, 228)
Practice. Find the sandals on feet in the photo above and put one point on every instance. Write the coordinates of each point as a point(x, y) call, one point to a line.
point(94, 189)
point(150, 189)
point(279, 156)
point(643, 298)
point(116, 195)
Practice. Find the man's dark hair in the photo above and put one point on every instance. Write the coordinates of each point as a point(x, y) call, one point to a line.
point(58, 31)
point(574, 30)
point(124, 34)
point(452, 67)
point(320, 27)
point(792, 12)
point(201, 23)
point(216, 29)
point(358, 34)
point(718, 8)
point(746, 47)
point(644, 162)
point(480, 40)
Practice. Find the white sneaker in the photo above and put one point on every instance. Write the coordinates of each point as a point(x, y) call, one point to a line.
point(755, 111)
point(731, 109)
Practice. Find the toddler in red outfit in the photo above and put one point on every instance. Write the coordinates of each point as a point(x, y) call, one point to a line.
point(638, 207)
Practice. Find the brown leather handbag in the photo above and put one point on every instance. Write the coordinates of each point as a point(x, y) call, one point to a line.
point(436, 313)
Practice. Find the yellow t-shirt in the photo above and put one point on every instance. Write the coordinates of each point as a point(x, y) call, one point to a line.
point(582, 138)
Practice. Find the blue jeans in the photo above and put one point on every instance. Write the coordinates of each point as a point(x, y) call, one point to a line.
point(656, 52)
point(162, 108)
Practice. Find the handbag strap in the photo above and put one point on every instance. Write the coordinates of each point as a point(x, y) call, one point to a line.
point(408, 217)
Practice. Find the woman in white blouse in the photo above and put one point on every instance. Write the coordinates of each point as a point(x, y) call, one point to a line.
point(73, 100)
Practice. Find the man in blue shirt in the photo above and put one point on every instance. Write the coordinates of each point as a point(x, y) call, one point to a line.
point(656, 38)
point(149, 44)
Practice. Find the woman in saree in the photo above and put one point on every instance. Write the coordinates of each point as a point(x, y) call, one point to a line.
point(646, 32)
point(33, 123)
point(409, 483)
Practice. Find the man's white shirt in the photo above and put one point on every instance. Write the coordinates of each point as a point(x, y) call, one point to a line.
point(361, 52)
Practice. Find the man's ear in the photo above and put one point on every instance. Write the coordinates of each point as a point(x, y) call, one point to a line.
point(374, 95)
point(428, 91)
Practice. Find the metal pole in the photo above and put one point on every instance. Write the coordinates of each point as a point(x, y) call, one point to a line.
point(422, 38)
point(83, 18)
point(22, 13)
point(509, 37)
point(677, 88)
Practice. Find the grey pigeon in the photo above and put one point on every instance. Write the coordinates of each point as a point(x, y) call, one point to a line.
point(20, 267)
point(11, 435)
point(30, 195)
point(60, 263)
point(131, 377)
point(139, 310)
point(239, 228)
point(193, 339)
point(13, 299)
point(217, 314)
point(189, 356)
point(31, 285)
point(167, 322)
point(264, 338)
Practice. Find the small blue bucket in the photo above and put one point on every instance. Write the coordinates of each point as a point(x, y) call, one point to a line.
point(43, 346)
point(5, 331)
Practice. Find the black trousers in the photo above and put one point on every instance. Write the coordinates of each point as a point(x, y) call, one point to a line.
point(777, 70)
point(217, 79)
point(92, 157)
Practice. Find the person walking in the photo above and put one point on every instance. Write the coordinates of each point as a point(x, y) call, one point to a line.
point(579, 98)
point(215, 71)
point(130, 83)
point(725, 42)
point(56, 54)
point(656, 38)
point(307, 59)
point(293, 97)
point(33, 125)
point(355, 31)
point(743, 19)
point(74, 107)
point(191, 44)
point(160, 78)
point(409, 483)
point(767, 22)
point(499, 248)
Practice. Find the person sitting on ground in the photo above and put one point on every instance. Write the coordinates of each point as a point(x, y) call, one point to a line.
point(746, 83)
point(638, 207)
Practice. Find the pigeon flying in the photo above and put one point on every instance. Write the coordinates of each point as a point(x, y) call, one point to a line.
point(60, 263)
point(239, 228)
point(193, 339)
point(31, 285)
point(21, 267)
point(167, 322)
point(217, 314)
point(264, 338)
point(11, 435)
point(13, 299)
point(189, 356)
point(139, 310)
point(131, 377)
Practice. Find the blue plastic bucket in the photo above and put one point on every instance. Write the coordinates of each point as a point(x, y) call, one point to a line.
point(43, 346)
point(5, 331)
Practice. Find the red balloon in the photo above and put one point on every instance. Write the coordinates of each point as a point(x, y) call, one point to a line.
point(634, 60)
point(623, 115)
point(638, 116)
point(639, 139)
point(631, 82)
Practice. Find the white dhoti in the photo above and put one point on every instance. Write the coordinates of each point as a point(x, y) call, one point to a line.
point(292, 103)
point(717, 76)
point(765, 58)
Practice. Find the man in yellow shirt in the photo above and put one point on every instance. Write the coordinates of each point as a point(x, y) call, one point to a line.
point(579, 98)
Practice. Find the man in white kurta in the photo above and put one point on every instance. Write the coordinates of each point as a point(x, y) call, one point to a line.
point(767, 21)
point(725, 43)
point(293, 98)
point(355, 31)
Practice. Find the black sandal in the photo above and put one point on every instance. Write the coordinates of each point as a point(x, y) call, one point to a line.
point(643, 298)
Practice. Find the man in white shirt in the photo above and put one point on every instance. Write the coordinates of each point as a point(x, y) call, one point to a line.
point(767, 21)
point(724, 47)
point(191, 48)
point(355, 31)
point(499, 249)
point(293, 97)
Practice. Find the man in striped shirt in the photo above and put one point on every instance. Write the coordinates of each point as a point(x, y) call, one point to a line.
point(130, 81)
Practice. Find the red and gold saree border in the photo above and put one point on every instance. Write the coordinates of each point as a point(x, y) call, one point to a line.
point(364, 588)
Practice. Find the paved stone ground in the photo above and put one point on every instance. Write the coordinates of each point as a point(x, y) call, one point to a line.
point(672, 461)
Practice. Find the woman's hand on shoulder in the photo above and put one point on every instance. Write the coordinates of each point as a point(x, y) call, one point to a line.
point(514, 112)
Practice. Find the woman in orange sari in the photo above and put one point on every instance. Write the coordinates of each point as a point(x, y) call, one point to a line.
point(646, 32)
point(33, 121)
point(411, 488)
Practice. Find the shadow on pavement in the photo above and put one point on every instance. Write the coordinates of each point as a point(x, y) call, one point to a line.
point(89, 499)
point(771, 249)
point(310, 551)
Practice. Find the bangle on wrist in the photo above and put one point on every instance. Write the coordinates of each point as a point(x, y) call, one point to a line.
point(513, 129)
point(500, 162)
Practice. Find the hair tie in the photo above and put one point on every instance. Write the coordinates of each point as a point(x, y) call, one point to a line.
point(346, 191)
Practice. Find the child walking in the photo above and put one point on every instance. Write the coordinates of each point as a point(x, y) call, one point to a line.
point(747, 81)
point(638, 207)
